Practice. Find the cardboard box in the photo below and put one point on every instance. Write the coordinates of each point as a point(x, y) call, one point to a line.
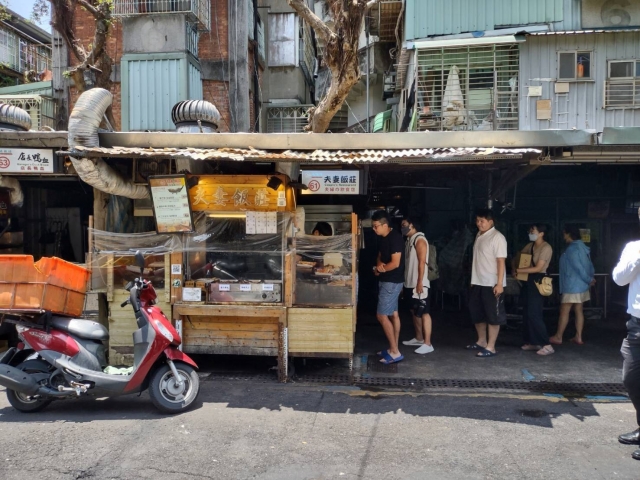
point(524, 262)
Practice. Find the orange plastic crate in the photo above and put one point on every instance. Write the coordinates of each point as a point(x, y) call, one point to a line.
point(50, 284)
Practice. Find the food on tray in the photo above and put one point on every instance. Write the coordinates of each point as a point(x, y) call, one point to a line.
point(303, 264)
point(328, 270)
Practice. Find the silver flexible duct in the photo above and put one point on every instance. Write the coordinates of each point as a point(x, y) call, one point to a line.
point(84, 122)
point(13, 119)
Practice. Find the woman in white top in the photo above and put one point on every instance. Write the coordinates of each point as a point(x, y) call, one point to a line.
point(416, 284)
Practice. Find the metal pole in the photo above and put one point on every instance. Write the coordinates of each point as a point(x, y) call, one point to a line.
point(366, 31)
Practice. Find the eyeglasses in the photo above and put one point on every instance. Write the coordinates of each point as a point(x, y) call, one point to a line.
point(376, 225)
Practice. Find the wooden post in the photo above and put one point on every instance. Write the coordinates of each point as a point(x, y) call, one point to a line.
point(100, 201)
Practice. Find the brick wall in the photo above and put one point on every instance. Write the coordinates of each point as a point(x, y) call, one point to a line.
point(212, 45)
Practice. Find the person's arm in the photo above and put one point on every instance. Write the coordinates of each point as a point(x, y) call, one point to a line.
point(421, 251)
point(392, 265)
point(582, 263)
point(499, 288)
point(376, 272)
point(628, 266)
point(542, 264)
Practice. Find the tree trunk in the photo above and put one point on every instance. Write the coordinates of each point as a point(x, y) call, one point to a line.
point(340, 55)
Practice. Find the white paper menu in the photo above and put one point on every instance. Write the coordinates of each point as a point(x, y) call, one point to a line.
point(251, 223)
point(272, 222)
point(261, 222)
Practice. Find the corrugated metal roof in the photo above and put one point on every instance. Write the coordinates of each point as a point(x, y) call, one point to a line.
point(314, 156)
point(581, 32)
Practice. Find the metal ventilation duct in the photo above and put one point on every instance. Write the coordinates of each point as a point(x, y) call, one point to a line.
point(14, 118)
point(84, 121)
point(195, 116)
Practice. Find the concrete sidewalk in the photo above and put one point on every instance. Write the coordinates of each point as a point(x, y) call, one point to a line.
point(598, 361)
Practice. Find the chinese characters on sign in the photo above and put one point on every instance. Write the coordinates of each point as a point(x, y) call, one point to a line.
point(228, 193)
point(331, 182)
point(171, 204)
point(26, 160)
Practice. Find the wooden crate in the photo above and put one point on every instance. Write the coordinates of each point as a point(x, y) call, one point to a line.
point(122, 324)
point(231, 329)
point(320, 330)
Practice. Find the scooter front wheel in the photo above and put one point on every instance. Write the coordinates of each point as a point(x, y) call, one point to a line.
point(166, 392)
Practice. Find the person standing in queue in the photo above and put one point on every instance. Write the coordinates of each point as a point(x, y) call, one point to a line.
point(416, 285)
point(488, 279)
point(627, 272)
point(390, 272)
point(534, 331)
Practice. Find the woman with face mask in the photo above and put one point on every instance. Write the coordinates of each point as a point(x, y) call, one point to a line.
point(535, 333)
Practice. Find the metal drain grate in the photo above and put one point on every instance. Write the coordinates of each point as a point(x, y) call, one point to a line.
point(570, 389)
point(374, 365)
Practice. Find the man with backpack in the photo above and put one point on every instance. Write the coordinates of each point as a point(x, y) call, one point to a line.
point(416, 284)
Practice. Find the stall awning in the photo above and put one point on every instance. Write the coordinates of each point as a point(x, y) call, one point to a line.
point(421, 155)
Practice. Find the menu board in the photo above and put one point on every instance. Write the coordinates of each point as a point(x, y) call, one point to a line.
point(171, 207)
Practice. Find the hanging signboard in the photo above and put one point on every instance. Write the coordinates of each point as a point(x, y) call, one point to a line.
point(241, 193)
point(331, 182)
point(26, 160)
point(171, 206)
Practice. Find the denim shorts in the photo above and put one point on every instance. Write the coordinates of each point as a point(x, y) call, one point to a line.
point(388, 294)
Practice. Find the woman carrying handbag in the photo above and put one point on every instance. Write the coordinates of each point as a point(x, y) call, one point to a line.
point(534, 332)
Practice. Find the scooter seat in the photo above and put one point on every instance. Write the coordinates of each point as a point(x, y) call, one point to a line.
point(86, 329)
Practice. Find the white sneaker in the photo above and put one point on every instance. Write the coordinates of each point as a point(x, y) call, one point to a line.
point(425, 349)
point(413, 342)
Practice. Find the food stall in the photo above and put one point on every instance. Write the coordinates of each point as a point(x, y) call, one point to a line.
point(252, 284)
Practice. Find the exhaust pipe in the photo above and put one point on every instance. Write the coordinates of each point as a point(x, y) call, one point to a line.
point(84, 121)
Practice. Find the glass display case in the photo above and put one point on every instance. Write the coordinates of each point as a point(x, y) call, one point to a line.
point(232, 263)
point(324, 271)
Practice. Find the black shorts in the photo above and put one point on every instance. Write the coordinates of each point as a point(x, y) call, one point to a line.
point(485, 307)
point(413, 303)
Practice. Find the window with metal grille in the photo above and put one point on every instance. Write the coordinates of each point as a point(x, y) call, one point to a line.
point(8, 51)
point(290, 119)
point(622, 86)
point(467, 88)
point(307, 52)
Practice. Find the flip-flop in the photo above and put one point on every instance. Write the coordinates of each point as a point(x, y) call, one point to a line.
point(389, 360)
point(383, 353)
point(475, 346)
point(486, 353)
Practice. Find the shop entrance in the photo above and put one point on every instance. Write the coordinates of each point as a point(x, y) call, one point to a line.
point(601, 200)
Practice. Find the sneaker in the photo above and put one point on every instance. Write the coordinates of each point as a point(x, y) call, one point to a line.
point(413, 342)
point(425, 349)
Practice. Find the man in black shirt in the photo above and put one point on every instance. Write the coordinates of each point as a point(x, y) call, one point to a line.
point(390, 271)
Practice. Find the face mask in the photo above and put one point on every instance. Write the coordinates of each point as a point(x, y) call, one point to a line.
point(533, 237)
point(405, 230)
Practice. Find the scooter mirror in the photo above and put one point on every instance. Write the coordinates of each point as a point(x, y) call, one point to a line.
point(140, 261)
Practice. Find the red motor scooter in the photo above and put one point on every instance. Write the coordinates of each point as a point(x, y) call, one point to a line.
point(62, 357)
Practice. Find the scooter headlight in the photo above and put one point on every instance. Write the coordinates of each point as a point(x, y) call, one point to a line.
point(164, 331)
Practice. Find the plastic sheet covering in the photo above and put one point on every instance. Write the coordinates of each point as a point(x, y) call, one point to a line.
point(16, 194)
point(222, 249)
point(324, 270)
point(129, 243)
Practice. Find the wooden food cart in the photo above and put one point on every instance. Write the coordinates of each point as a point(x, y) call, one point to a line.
point(240, 276)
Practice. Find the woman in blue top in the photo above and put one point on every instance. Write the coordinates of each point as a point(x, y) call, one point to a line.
point(576, 278)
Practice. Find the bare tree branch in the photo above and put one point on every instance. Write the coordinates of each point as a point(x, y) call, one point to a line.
point(371, 3)
point(89, 8)
point(321, 28)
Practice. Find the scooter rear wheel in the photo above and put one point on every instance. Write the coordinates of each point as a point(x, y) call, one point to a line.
point(22, 402)
point(167, 395)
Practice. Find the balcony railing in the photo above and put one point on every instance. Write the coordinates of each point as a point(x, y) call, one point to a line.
point(197, 10)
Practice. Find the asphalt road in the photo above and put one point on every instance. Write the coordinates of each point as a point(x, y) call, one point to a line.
point(244, 429)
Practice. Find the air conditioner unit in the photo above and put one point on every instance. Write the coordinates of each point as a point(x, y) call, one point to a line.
point(390, 82)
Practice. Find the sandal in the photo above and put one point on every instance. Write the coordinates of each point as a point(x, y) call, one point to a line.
point(530, 348)
point(388, 360)
point(546, 350)
point(486, 353)
point(475, 346)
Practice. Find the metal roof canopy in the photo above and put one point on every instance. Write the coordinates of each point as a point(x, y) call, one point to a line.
point(620, 136)
point(350, 141)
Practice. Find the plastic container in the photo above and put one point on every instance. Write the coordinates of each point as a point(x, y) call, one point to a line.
point(50, 284)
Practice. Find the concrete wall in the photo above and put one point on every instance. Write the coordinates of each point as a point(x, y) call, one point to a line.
point(154, 34)
point(585, 100)
point(358, 106)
